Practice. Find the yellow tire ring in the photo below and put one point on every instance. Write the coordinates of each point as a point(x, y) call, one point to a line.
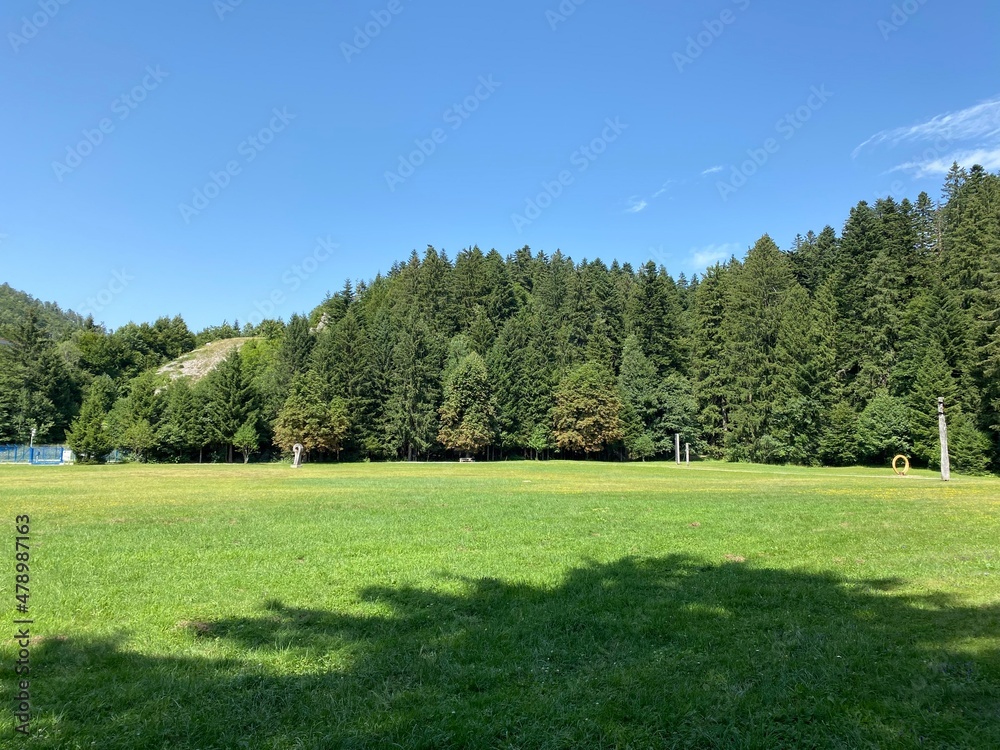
point(906, 465)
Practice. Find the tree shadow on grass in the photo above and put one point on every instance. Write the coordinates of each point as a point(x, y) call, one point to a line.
point(668, 652)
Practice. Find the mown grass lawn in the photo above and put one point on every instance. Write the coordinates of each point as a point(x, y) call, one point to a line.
point(541, 605)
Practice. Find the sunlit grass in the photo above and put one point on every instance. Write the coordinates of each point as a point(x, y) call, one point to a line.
point(509, 605)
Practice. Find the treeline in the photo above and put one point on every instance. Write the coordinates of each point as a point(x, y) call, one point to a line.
point(833, 351)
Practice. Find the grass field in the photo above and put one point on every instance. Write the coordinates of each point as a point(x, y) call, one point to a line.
point(541, 605)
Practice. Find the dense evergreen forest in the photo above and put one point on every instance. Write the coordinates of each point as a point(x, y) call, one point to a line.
point(833, 351)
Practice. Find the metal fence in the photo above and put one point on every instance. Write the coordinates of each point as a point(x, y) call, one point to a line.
point(39, 455)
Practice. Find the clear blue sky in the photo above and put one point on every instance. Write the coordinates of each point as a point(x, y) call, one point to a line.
point(881, 95)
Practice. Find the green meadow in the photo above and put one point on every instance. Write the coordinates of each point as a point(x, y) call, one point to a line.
point(506, 605)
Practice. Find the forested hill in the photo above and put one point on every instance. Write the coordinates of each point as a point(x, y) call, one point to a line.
point(834, 350)
point(15, 306)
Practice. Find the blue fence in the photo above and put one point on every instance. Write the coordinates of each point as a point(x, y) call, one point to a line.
point(40, 455)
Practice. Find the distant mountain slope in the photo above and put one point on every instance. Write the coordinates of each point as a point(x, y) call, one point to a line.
point(198, 363)
point(15, 304)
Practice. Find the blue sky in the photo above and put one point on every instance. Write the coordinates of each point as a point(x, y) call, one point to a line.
point(223, 159)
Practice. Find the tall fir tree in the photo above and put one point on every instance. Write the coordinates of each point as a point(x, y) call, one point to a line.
point(231, 400)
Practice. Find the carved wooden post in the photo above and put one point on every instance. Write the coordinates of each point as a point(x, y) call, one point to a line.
point(687, 454)
point(298, 448)
point(677, 447)
point(943, 429)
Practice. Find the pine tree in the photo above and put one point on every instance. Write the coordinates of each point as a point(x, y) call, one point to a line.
point(917, 331)
point(756, 365)
point(470, 285)
point(231, 399)
point(654, 409)
point(968, 446)
point(338, 425)
point(813, 258)
point(653, 315)
point(838, 445)
point(638, 386)
point(934, 380)
point(342, 359)
point(411, 412)
point(884, 429)
point(713, 390)
point(296, 347)
point(377, 366)
point(521, 374)
point(856, 251)
point(181, 429)
point(500, 302)
point(926, 227)
point(435, 293)
point(38, 391)
point(89, 437)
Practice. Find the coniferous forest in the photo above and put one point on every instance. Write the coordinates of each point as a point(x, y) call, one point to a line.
point(833, 351)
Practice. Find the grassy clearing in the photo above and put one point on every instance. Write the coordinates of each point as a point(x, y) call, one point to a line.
point(508, 605)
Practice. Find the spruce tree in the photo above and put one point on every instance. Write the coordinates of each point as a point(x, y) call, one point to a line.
point(884, 429)
point(756, 366)
point(231, 399)
point(88, 436)
point(296, 347)
point(637, 383)
point(411, 423)
point(713, 389)
point(181, 428)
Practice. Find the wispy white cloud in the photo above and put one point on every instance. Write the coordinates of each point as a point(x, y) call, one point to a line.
point(712, 170)
point(988, 158)
point(703, 257)
point(980, 123)
point(637, 205)
point(664, 188)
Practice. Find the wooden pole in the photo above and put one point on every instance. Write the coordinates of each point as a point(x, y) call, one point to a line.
point(943, 430)
point(677, 447)
point(687, 454)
